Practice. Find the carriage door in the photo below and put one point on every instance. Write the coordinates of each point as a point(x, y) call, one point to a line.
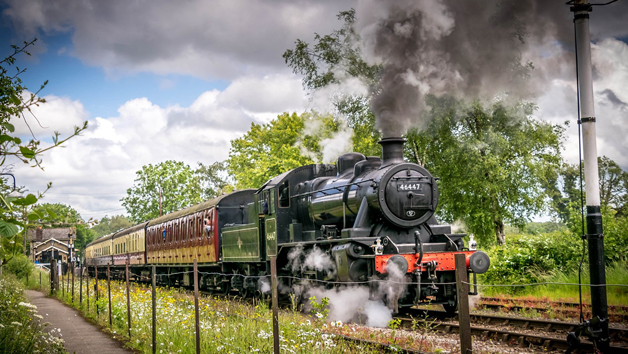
point(270, 225)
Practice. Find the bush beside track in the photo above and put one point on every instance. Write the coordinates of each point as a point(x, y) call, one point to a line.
point(536, 257)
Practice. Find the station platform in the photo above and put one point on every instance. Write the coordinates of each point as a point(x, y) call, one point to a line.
point(79, 335)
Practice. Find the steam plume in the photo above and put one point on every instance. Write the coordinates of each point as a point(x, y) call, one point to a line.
point(471, 50)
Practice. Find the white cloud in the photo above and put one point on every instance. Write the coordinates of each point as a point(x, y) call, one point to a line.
point(558, 103)
point(57, 114)
point(217, 39)
point(94, 170)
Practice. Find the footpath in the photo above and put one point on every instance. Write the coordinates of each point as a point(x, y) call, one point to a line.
point(79, 335)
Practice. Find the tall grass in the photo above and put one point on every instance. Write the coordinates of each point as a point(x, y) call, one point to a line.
point(20, 328)
point(616, 273)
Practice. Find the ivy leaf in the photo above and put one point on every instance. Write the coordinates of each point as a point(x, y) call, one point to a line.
point(7, 229)
point(28, 200)
point(26, 152)
point(9, 127)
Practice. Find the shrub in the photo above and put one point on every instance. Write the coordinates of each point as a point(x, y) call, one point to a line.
point(20, 331)
point(20, 266)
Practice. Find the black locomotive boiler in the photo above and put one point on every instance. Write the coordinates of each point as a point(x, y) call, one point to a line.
point(372, 219)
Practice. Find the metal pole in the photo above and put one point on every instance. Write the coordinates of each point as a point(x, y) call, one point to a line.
point(273, 277)
point(109, 293)
point(72, 283)
point(62, 284)
point(96, 289)
point(87, 289)
point(598, 326)
point(81, 287)
point(39, 280)
point(53, 270)
point(462, 289)
point(128, 300)
point(196, 319)
point(154, 296)
point(26, 280)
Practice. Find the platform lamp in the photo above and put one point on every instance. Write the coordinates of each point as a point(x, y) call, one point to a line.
point(14, 193)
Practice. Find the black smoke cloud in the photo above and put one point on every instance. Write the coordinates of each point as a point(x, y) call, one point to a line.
point(469, 49)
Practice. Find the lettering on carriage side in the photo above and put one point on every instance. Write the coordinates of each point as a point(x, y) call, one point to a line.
point(271, 235)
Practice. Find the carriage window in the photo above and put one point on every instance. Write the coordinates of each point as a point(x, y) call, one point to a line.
point(284, 195)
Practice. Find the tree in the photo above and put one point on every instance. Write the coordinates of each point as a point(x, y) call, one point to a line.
point(613, 189)
point(108, 225)
point(332, 59)
point(15, 102)
point(56, 215)
point(214, 179)
point(270, 149)
point(493, 163)
point(172, 181)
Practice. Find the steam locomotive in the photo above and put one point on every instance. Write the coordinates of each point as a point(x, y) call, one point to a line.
point(365, 221)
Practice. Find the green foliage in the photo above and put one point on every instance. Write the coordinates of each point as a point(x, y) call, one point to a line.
point(50, 216)
point(331, 59)
point(108, 225)
point(493, 163)
point(20, 330)
point(565, 189)
point(270, 149)
point(16, 214)
point(14, 104)
point(178, 184)
point(214, 179)
point(19, 266)
point(84, 235)
point(530, 258)
point(320, 309)
point(615, 231)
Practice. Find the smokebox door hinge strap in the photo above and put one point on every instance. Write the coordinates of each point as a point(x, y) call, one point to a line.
point(586, 120)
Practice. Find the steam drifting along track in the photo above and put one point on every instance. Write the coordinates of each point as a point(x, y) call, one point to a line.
point(548, 335)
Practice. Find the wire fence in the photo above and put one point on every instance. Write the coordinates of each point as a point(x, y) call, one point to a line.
point(370, 281)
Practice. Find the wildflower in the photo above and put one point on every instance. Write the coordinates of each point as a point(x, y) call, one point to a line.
point(319, 315)
point(338, 323)
point(26, 304)
point(16, 323)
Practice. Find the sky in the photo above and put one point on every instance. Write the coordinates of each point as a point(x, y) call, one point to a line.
point(159, 80)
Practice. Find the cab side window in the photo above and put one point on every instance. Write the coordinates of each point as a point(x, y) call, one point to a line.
point(284, 195)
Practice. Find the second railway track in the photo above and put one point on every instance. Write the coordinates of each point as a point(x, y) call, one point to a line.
point(517, 331)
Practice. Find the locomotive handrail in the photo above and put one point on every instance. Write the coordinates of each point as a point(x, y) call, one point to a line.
point(339, 188)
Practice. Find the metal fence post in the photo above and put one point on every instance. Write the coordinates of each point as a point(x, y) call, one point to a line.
point(40, 280)
point(96, 289)
point(154, 295)
point(462, 289)
point(196, 319)
point(87, 289)
point(109, 294)
point(72, 283)
point(81, 287)
point(273, 277)
point(128, 299)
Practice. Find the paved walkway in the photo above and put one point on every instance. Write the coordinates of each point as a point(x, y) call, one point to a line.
point(80, 336)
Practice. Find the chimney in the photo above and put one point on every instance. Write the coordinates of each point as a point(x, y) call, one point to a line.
point(39, 234)
point(392, 150)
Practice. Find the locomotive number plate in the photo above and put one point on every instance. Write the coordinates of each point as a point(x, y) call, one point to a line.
point(409, 186)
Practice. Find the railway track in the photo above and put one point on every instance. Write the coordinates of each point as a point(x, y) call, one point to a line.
point(557, 309)
point(522, 332)
point(545, 303)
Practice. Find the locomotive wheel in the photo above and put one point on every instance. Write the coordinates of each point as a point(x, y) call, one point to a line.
point(451, 309)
